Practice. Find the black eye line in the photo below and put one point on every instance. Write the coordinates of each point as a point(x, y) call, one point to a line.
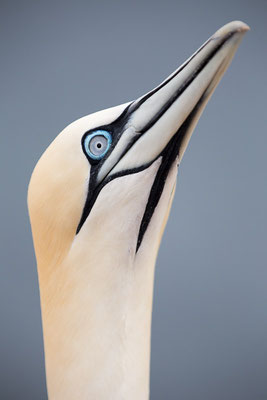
point(115, 129)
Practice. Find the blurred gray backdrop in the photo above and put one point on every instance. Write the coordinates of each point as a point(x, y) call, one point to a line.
point(61, 60)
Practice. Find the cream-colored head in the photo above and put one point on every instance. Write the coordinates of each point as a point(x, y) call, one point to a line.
point(98, 199)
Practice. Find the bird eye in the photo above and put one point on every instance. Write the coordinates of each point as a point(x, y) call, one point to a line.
point(97, 143)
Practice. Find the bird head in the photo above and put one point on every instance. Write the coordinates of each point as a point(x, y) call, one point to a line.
point(109, 178)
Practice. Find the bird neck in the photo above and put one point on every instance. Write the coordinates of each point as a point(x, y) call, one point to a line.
point(96, 324)
point(97, 305)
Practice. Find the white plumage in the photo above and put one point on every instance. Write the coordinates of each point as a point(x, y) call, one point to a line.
point(97, 223)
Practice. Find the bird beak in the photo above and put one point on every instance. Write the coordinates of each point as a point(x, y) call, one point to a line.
point(160, 123)
point(170, 112)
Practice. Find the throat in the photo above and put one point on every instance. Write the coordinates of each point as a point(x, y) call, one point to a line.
point(97, 332)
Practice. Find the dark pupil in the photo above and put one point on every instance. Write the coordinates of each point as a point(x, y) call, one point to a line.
point(99, 145)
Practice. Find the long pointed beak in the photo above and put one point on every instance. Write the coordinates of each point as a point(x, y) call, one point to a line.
point(173, 108)
point(160, 123)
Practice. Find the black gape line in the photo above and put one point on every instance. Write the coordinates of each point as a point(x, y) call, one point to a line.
point(169, 154)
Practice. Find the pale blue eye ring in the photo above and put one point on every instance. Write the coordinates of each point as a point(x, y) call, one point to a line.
point(97, 143)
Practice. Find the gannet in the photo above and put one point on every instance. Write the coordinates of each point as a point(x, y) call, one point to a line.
point(99, 199)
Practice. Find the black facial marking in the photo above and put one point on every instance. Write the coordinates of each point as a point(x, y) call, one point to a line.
point(116, 130)
point(168, 155)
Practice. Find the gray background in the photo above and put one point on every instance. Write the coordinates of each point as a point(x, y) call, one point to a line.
point(61, 60)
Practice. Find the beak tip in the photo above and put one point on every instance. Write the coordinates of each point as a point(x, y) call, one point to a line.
point(234, 26)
